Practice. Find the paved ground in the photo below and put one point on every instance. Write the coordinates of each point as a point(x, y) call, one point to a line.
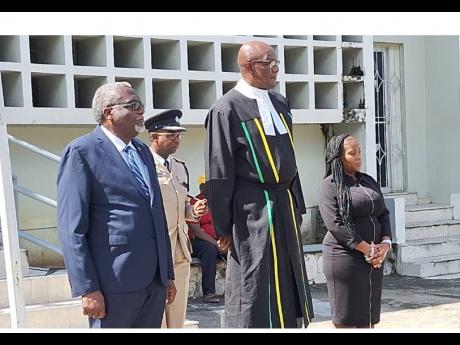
point(208, 314)
point(407, 303)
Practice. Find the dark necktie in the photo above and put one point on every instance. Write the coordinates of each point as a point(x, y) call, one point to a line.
point(166, 163)
point(136, 170)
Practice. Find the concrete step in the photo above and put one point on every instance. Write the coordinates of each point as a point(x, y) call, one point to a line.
point(439, 228)
point(428, 213)
point(431, 266)
point(423, 200)
point(409, 198)
point(419, 249)
point(39, 287)
point(446, 276)
point(24, 263)
point(49, 303)
point(65, 314)
point(191, 324)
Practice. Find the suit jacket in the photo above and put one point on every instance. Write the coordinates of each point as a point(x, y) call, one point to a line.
point(173, 187)
point(113, 237)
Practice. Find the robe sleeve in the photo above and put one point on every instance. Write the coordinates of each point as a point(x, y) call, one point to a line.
point(298, 195)
point(220, 169)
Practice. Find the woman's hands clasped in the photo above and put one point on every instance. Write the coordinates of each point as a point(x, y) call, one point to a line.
point(379, 254)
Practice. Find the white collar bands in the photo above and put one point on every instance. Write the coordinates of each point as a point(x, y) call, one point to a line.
point(268, 113)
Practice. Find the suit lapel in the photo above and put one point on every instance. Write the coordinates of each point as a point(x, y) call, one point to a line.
point(117, 159)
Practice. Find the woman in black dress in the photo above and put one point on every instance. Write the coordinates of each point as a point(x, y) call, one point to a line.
point(358, 237)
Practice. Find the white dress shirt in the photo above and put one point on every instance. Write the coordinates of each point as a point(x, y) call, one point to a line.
point(120, 146)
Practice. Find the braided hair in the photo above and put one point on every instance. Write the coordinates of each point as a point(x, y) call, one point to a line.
point(334, 166)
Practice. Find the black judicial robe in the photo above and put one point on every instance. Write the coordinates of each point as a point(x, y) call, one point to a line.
point(254, 194)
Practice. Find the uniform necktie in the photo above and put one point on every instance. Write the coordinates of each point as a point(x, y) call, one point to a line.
point(166, 163)
point(136, 170)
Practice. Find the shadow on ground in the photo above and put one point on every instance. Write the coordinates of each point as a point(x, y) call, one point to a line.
point(208, 314)
point(407, 302)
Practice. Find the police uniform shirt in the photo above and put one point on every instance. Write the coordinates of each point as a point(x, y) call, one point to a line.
point(176, 205)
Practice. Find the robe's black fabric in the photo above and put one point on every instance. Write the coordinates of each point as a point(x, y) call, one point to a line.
point(266, 284)
point(354, 287)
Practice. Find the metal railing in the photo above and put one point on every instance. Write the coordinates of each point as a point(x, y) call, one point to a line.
point(35, 149)
point(34, 195)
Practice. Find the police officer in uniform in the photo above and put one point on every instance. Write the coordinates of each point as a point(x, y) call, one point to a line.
point(165, 133)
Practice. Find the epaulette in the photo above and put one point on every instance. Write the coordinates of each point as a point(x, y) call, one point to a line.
point(186, 184)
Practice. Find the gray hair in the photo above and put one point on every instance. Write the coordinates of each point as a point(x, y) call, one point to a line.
point(107, 94)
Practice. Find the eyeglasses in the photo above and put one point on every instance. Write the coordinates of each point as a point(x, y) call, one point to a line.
point(131, 106)
point(267, 63)
point(171, 136)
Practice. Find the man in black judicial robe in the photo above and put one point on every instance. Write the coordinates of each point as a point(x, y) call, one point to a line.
point(255, 198)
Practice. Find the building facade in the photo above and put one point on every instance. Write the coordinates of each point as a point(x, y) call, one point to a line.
point(399, 95)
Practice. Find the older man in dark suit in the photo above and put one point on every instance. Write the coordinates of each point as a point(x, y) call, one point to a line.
point(111, 219)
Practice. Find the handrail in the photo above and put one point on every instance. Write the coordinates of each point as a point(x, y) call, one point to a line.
point(42, 243)
point(10, 236)
point(35, 149)
point(44, 199)
point(33, 195)
point(36, 196)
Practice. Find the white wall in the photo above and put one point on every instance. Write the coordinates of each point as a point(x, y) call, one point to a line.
point(39, 174)
point(415, 122)
point(443, 116)
point(309, 146)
